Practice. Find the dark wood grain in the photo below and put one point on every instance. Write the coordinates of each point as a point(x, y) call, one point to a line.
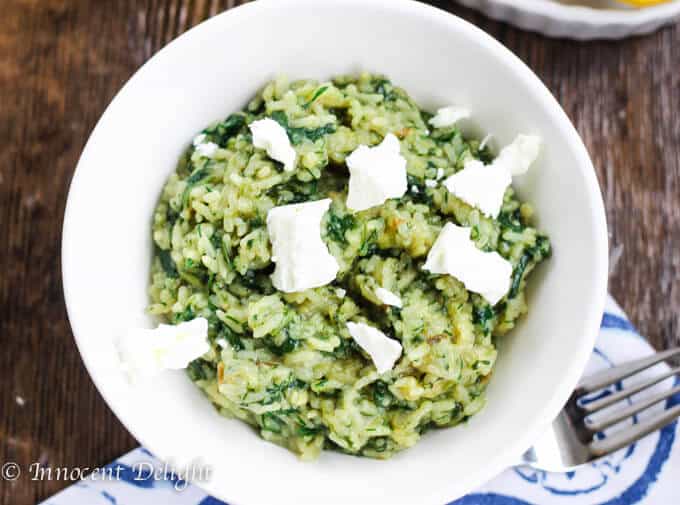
point(61, 62)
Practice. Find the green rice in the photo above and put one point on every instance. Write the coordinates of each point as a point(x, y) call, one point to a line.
point(289, 366)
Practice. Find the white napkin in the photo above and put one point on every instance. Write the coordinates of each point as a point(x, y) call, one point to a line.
point(646, 472)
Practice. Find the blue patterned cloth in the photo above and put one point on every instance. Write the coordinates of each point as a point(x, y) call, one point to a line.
point(646, 472)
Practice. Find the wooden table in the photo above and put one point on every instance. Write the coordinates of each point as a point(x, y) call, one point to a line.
point(61, 62)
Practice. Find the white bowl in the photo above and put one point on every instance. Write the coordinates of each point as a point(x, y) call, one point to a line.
point(213, 70)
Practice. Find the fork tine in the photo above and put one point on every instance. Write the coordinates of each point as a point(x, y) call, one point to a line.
point(622, 414)
point(610, 376)
point(596, 405)
point(626, 437)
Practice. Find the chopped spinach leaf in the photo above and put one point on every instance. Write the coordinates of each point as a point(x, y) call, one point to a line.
point(220, 245)
point(518, 273)
point(171, 215)
point(304, 430)
point(197, 176)
point(297, 135)
point(453, 136)
point(316, 95)
point(200, 369)
point(511, 220)
point(382, 395)
point(385, 88)
point(346, 349)
point(230, 336)
point(314, 134)
point(280, 117)
point(485, 155)
point(426, 116)
point(216, 240)
point(248, 279)
point(343, 116)
point(271, 422)
point(222, 132)
point(339, 225)
point(167, 263)
point(542, 249)
point(256, 222)
point(483, 362)
point(369, 245)
point(288, 345)
point(379, 444)
point(417, 190)
point(186, 315)
point(294, 191)
point(275, 392)
point(483, 316)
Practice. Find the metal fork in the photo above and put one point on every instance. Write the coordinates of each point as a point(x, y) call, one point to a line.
point(571, 439)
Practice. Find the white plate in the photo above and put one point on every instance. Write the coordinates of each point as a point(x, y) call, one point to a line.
point(213, 70)
point(579, 19)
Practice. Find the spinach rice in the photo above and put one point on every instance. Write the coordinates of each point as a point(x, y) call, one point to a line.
point(289, 366)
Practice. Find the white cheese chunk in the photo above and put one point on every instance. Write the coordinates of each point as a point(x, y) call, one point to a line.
point(448, 116)
point(206, 149)
point(145, 353)
point(440, 173)
point(483, 186)
point(518, 156)
point(455, 254)
point(302, 258)
point(199, 139)
point(387, 297)
point(340, 292)
point(270, 136)
point(376, 174)
point(383, 350)
point(431, 183)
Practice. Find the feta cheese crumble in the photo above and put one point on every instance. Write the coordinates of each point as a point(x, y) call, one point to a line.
point(455, 254)
point(387, 297)
point(199, 139)
point(206, 149)
point(431, 183)
point(448, 116)
point(483, 186)
point(271, 136)
point(383, 350)
point(519, 155)
point(145, 353)
point(302, 258)
point(376, 174)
